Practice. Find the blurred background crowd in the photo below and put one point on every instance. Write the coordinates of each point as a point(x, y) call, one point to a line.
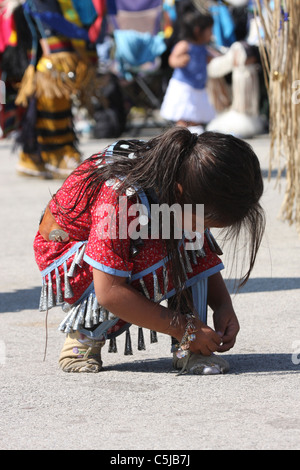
point(100, 68)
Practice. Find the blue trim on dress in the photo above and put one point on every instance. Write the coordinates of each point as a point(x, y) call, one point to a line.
point(189, 283)
point(62, 259)
point(151, 269)
point(106, 269)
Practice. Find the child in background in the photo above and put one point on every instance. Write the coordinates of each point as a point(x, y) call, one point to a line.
point(186, 100)
point(107, 279)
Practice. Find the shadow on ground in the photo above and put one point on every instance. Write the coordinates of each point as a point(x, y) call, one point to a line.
point(265, 284)
point(239, 364)
point(21, 299)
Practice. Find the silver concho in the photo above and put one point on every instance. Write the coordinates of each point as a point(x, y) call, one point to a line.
point(58, 235)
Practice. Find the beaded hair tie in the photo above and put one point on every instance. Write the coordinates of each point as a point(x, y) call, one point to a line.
point(188, 336)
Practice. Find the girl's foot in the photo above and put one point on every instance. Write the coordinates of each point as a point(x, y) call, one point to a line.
point(80, 354)
point(197, 364)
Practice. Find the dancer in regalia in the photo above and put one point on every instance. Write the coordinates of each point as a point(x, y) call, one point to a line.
point(62, 66)
point(103, 255)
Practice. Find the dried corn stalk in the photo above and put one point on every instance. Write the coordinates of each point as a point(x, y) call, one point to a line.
point(280, 55)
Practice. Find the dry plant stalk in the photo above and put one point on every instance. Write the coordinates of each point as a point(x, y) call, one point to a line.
point(280, 56)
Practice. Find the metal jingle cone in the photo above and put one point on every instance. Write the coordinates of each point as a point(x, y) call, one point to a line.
point(69, 325)
point(102, 314)
point(112, 347)
point(141, 342)
point(145, 290)
point(153, 336)
point(81, 314)
point(71, 272)
point(128, 347)
point(59, 294)
point(65, 321)
point(156, 287)
point(96, 310)
point(95, 318)
point(51, 297)
point(43, 298)
point(89, 311)
point(68, 289)
point(79, 256)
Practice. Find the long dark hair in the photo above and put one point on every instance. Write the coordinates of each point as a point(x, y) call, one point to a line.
point(217, 170)
point(190, 17)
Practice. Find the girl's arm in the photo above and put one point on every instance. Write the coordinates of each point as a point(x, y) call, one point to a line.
point(179, 56)
point(225, 320)
point(114, 294)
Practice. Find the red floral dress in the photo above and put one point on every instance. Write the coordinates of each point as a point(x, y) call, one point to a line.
point(100, 239)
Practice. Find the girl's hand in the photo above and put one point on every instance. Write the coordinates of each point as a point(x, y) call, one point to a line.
point(227, 327)
point(225, 321)
point(207, 340)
